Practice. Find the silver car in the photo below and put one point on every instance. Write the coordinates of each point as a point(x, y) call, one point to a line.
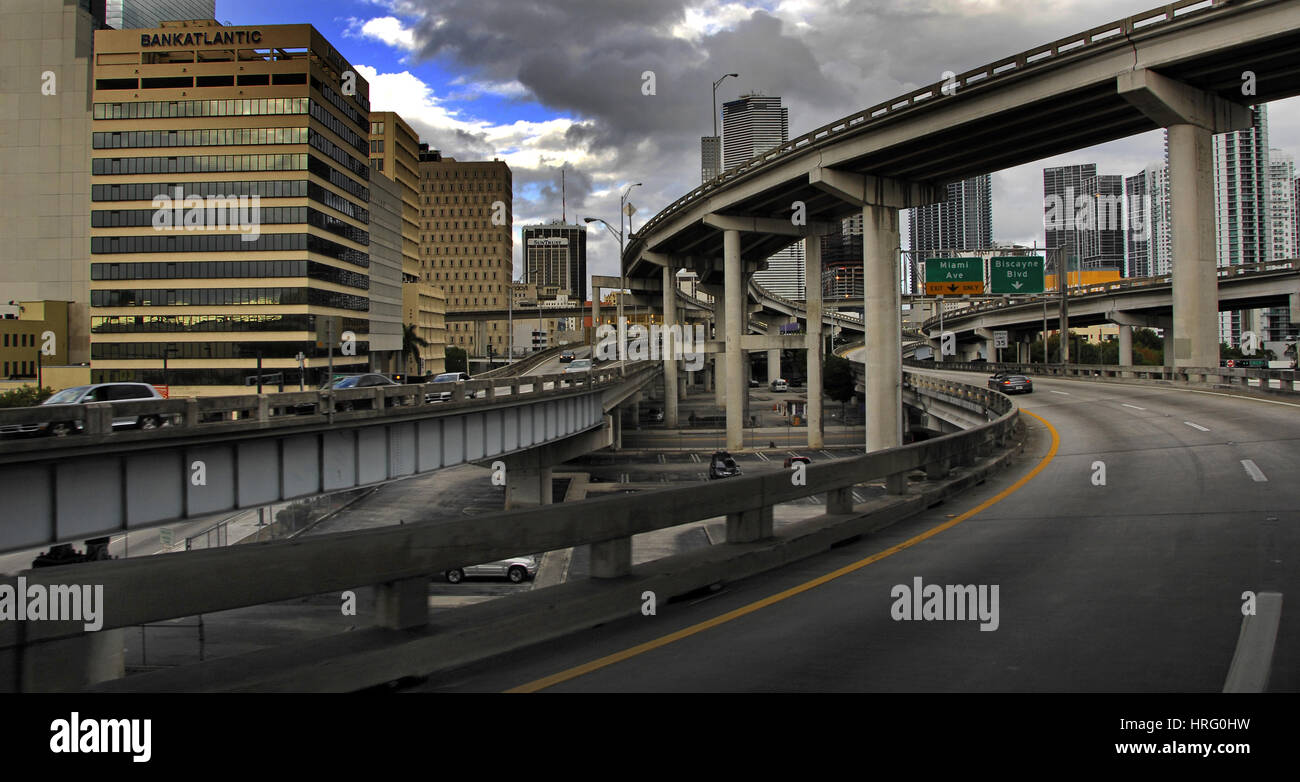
point(64, 419)
point(578, 365)
point(517, 569)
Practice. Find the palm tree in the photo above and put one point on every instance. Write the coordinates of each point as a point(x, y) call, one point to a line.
point(411, 345)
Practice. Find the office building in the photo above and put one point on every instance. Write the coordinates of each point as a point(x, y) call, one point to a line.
point(1276, 324)
point(467, 246)
point(134, 14)
point(1241, 190)
point(710, 157)
point(555, 254)
point(1102, 234)
point(230, 190)
point(963, 221)
point(751, 125)
point(1149, 242)
point(842, 263)
point(1062, 188)
point(395, 154)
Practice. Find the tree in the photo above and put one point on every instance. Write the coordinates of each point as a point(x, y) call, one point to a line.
point(837, 380)
point(25, 396)
point(457, 359)
point(412, 343)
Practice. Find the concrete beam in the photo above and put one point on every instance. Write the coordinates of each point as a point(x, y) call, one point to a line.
point(1167, 102)
point(773, 342)
point(768, 225)
point(870, 190)
point(1124, 318)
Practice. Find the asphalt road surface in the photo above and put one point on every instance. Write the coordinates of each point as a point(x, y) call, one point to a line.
point(1134, 584)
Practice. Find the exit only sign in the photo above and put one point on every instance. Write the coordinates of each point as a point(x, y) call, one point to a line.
point(953, 276)
point(1016, 275)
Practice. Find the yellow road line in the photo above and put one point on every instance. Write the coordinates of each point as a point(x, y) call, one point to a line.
point(585, 668)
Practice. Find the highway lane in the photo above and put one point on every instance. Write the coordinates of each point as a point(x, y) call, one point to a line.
point(1134, 585)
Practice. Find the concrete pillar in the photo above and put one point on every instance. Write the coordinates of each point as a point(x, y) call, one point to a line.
point(1195, 283)
point(734, 296)
point(611, 558)
point(813, 308)
point(402, 604)
point(66, 664)
point(1126, 346)
point(528, 487)
point(1169, 347)
point(773, 356)
point(720, 359)
point(595, 315)
point(618, 429)
point(750, 526)
point(882, 302)
point(670, 349)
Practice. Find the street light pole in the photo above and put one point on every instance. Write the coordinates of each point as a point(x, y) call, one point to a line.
point(715, 105)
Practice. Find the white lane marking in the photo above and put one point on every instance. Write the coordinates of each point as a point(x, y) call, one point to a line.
point(828, 454)
point(695, 457)
point(1196, 426)
point(1062, 393)
point(1253, 661)
point(792, 453)
point(762, 456)
point(1135, 407)
point(1253, 471)
point(663, 459)
point(859, 497)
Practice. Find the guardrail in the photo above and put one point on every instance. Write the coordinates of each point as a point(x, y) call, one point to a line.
point(1132, 283)
point(401, 559)
point(1119, 32)
point(1269, 381)
point(184, 416)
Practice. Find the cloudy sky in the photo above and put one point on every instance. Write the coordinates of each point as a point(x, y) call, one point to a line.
point(558, 84)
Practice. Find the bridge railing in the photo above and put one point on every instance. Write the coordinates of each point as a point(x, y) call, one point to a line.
point(181, 417)
point(977, 306)
point(1273, 381)
point(401, 559)
point(1046, 55)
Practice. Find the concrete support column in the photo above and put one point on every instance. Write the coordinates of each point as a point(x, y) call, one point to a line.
point(1195, 283)
point(1126, 346)
point(402, 604)
point(813, 308)
point(528, 487)
point(749, 526)
point(734, 296)
point(720, 359)
point(618, 429)
point(65, 664)
point(773, 355)
point(611, 558)
point(1169, 347)
point(595, 315)
point(670, 348)
point(882, 304)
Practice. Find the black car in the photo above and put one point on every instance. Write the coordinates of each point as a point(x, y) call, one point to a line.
point(723, 465)
point(566, 356)
point(1011, 384)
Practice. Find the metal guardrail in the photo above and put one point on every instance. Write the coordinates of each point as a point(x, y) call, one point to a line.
point(1132, 283)
point(994, 73)
point(1249, 380)
point(186, 416)
point(403, 558)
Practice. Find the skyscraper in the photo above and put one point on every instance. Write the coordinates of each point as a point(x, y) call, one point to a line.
point(1062, 187)
point(710, 157)
point(963, 222)
point(132, 14)
point(1148, 240)
point(556, 254)
point(1282, 226)
point(751, 125)
point(1102, 237)
point(1241, 174)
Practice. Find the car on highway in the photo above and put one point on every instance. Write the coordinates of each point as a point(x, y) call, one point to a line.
point(566, 356)
point(792, 460)
point(516, 569)
point(446, 377)
point(578, 365)
point(723, 465)
point(65, 419)
point(780, 384)
point(358, 380)
point(1011, 384)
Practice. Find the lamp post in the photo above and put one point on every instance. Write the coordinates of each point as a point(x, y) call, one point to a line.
point(622, 280)
point(715, 104)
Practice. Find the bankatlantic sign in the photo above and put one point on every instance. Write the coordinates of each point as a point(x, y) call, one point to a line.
point(201, 39)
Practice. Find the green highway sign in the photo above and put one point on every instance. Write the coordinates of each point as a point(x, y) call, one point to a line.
point(1016, 275)
point(953, 276)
